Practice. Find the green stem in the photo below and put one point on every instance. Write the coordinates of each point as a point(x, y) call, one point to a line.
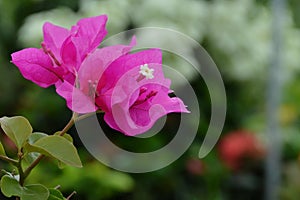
point(20, 169)
point(88, 115)
point(69, 125)
point(10, 160)
point(30, 167)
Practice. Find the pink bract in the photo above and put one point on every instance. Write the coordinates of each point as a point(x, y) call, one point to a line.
point(80, 95)
point(62, 51)
point(132, 104)
point(37, 66)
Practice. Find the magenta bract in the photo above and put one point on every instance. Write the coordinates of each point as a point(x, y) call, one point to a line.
point(62, 51)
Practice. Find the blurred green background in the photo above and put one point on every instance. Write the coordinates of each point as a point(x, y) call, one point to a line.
point(237, 35)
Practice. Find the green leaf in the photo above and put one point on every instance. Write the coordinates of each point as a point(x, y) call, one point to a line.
point(10, 186)
point(17, 129)
point(60, 164)
point(66, 135)
point(35, 192)
point(2, 151)
point(55, 194)
point(57, 147)
point(35, 137)
point(30, 157)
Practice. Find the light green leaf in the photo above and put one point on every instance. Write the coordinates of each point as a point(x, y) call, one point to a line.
point(62, 165)
point(57, 147)
point(55, 195)
point(17, 129)
point(2, 151)
point(10, 186)
point(66, 135)
point(35, 192)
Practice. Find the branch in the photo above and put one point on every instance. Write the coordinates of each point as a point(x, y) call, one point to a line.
point(10, 160)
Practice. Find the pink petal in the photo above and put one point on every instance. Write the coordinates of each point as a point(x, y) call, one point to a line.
point(85, 37)
point(125, 63)
point(171, 105)
point(36, 66)
point(92, 31)
point(131, 118)
point(76, 100)
point(139, 119)
point(54, 36)
point(128, 84)
point(120, 120)
point(94, 65)
point(69, 55)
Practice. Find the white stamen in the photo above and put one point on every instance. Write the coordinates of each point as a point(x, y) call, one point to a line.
point(92, 88)
point(146, 71)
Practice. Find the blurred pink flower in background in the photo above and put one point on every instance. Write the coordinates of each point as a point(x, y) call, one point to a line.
point(239, 146)
point(195, 166)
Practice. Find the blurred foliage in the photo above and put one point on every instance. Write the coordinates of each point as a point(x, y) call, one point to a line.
point(94, 181)
point(236, 33)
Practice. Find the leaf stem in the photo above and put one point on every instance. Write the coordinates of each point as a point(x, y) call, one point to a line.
point(10, 160)
point(88, 115)
point(69, 124)
point(72, 194)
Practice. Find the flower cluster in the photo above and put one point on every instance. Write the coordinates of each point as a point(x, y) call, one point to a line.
point(129, 87)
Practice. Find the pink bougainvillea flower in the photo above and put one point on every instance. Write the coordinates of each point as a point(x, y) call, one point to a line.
point(81, 97)
point(130, 88)
point(62, 51)
point(134, 93)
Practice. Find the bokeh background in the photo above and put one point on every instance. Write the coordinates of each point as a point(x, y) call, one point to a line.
point(236, 33)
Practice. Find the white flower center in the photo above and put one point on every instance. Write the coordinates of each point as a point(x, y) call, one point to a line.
point(146, 71)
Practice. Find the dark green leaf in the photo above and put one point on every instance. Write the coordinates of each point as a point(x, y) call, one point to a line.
point(35, 192)
point(10, 186)
point(55, 195)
